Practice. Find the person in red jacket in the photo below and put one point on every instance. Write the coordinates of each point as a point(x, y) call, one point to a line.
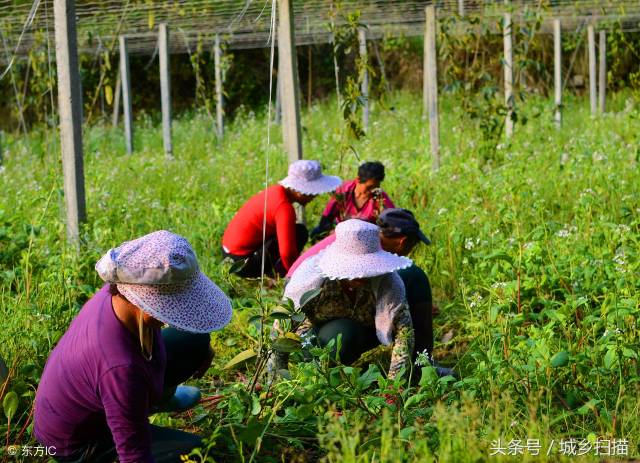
point(283, 239)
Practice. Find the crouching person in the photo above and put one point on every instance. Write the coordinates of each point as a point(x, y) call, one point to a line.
point(272, 210)
point(361, 298)
point(115, 365)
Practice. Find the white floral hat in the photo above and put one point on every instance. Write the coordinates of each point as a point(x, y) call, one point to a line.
point(306, 177)
point(159, 273)
point(356, 253)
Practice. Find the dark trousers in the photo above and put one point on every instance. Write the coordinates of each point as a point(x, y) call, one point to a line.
point(185, 354)
point(358, 339)
point(272, 261)
point(422, 318)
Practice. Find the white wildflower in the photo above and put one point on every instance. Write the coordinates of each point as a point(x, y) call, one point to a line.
point(469, 244)
point(423, 359)
point(475, 301)
point(586, 193)
point(564, 233)
point(307, 339)
point(529, 245)
point(597, 157)
point(607, 332)
point(623, 229)
point(442, 210)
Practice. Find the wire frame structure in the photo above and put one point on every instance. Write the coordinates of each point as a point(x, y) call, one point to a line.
point(245, 23)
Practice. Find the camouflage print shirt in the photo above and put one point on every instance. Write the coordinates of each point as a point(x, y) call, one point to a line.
point(380, 304)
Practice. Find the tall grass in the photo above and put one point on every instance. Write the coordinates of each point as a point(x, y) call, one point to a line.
point(534, 265)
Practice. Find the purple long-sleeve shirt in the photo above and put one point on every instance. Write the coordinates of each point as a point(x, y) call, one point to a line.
point(97, 386)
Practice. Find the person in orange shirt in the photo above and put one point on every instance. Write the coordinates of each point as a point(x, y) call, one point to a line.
point(272, 209)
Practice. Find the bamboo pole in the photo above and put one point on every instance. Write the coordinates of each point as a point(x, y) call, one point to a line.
point(557, 70)
point(431, 84)
point(70, 110)
point(165, 88)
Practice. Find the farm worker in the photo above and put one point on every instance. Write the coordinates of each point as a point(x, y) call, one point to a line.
point(400, 233)
point(115, 365)
point(360, 198)
point(361, 297)
point(284, 239)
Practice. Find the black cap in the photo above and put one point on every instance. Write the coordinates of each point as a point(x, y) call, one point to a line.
point(401, 221)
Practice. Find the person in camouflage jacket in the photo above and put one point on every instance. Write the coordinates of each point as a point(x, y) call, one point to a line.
point(356, 294)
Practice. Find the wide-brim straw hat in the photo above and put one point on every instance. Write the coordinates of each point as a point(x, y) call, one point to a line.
point(159, 273)
point(306, 177)
point(357, 253)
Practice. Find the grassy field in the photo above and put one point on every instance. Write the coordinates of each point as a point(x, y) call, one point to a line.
point(534, 264)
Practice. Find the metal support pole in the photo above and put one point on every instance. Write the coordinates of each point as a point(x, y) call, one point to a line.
point(602, 90)
point(126, 94)
point(593, 91)
point(364, 86)
point(288, 77)
point(431, 79)
point(70, 111)
point(217, 55)
point(165, 88)
point(557, 70)
point(508, 74)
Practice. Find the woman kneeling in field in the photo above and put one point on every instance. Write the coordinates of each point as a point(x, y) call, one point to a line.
point(272, 210)
point(361, 297)
point(115, 365)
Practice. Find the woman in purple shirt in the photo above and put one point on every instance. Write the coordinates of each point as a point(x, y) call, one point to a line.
point(115, 365)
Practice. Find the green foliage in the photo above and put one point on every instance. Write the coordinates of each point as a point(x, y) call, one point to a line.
point(534, 265)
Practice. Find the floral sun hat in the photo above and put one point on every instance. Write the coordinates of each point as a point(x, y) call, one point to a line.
point(306, 177)
point(357, 253)
point(159, 273)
